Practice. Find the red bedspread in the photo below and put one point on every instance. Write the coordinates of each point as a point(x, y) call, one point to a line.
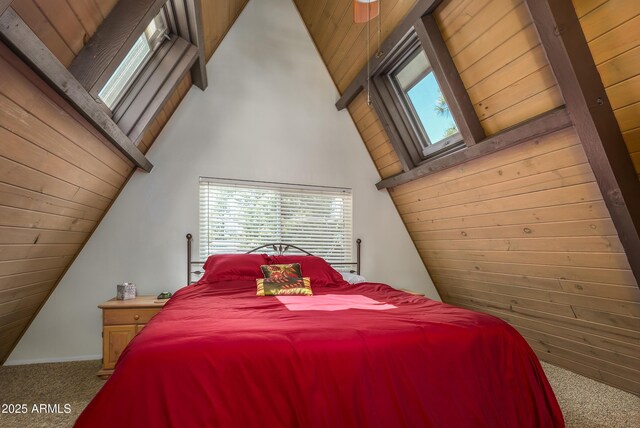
point(219, 356)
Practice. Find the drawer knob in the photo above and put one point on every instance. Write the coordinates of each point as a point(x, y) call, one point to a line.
point(136, 317)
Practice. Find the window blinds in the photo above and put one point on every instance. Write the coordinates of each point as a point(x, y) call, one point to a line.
point(237, 216)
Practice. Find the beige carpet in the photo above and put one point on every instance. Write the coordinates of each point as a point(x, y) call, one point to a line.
point(585, 403)
point(58, 383)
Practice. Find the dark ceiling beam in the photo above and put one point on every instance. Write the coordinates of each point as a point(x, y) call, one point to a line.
point(451, 84)
point(17, 34)
point(380, 98)
point(568, 54)
point(537, 127)
point(102, 54)
point(189, 27)
point(421, 8)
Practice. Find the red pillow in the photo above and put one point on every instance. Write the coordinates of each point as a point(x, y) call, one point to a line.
point(320, 272)
point(231, 267)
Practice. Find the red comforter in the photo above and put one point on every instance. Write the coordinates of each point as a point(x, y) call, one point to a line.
point(218, 356)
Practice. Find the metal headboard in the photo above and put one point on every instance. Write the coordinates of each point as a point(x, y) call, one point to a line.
point(279, 247)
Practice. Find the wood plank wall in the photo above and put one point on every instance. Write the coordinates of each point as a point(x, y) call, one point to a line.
point(64, 25)
point(58, 178)
point(612, 29)
point(524, 233)
point(58, 175)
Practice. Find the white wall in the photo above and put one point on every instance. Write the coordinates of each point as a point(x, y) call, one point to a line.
point(269, 115)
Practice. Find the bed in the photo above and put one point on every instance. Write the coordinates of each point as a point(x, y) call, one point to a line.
point(351, 355)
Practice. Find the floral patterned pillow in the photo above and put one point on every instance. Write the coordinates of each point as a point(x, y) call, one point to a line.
point(290, 287)
point(282, 273)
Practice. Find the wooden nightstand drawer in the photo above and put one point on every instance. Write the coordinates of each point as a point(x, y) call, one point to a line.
point(129, 316)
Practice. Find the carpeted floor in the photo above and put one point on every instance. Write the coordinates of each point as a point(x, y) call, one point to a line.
point(57, 383)
point(585, 403)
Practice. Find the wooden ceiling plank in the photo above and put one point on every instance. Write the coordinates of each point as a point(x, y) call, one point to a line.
point(66, 116)
point(539, 126)
point(25, 235)
point(40, 132)
point(18, 315)
point(88, 15)
point(560, 196)
point(599, 291)
point(14, 30)
point(536, 104)
point(12, 281)
point(344, 71)
point(618, 277)
point(31, 251)
point(525, 218)
point(26, 177)
point(14, 267)
point(534, 149)
point(11, 306)
point(23, 151)
point(24, 89)
point(19, 197)
point(420, 9)
point(563, 153)
point(19, 217)
point(65, 22)
point(40, 25)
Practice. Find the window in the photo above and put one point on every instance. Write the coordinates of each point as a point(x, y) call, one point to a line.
point(237, 216)
point(413, 96)
point(424, 104)
point(418, 111)
point(142, 50)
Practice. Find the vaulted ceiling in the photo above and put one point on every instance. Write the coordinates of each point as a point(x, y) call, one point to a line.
point(58, 175)
point(523, 234)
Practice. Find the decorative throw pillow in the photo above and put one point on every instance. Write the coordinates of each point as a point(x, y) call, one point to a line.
point(282, 273)
point(292, 287)
point(316, 268)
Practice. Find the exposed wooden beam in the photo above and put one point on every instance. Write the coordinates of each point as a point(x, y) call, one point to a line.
point(189, 27)
point(102, 54)
point(19, 36)
point(536, 127)
point(421, 8)
point(568, 54)
point(385, 115)
point(449, 79)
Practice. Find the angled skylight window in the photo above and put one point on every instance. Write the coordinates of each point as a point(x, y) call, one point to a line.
point(134, 61)
point(424, 102)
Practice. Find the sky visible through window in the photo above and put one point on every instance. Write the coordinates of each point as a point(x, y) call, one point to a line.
point(425, 96)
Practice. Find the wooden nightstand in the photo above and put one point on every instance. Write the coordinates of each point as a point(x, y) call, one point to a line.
point(121, 321)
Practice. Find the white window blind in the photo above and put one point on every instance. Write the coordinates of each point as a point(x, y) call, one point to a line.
point(237, 216)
